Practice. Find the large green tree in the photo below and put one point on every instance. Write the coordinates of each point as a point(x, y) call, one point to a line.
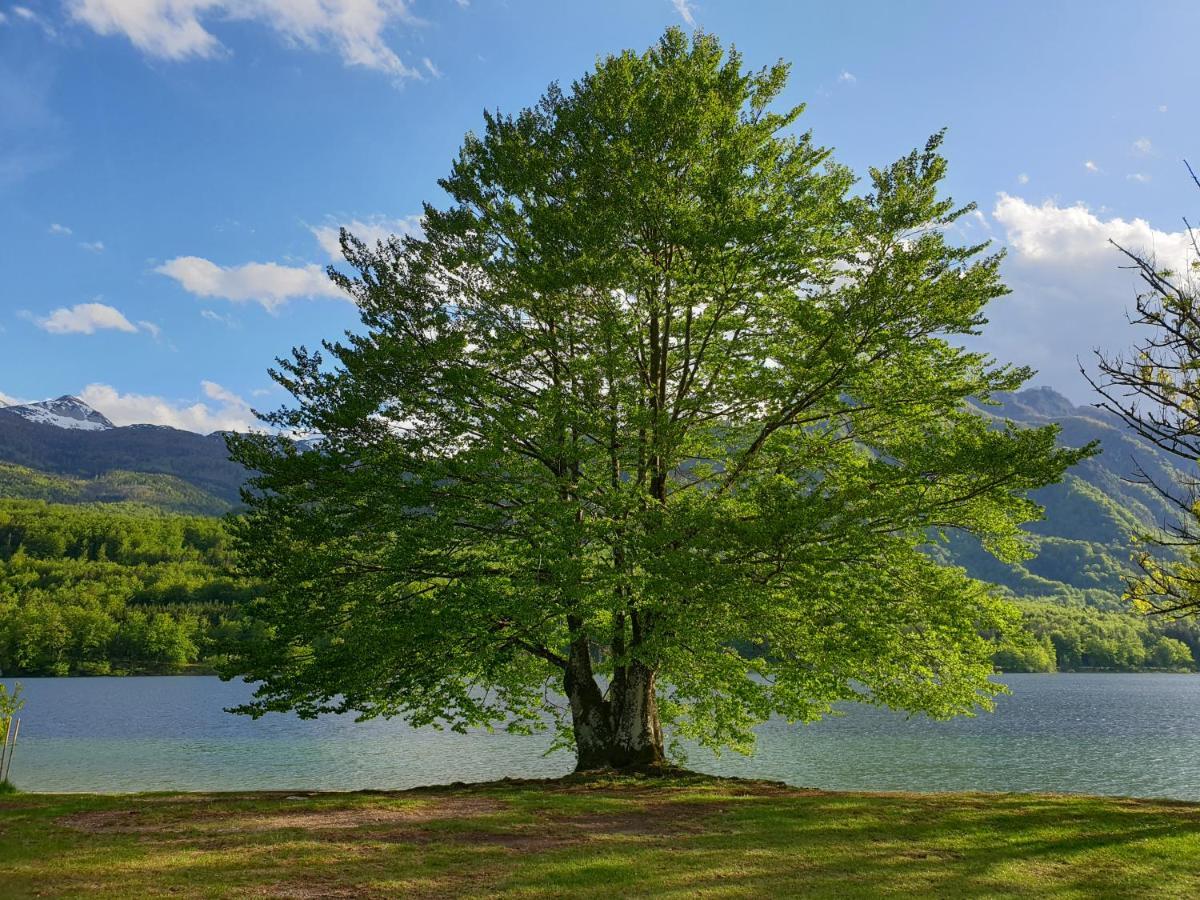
point(655, 417)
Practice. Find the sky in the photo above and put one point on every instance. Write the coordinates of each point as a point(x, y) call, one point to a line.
point(173, 172)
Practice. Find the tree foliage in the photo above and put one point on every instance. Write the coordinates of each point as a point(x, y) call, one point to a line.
point(661, 380)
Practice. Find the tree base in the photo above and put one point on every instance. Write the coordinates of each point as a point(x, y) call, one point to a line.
point(644, 770)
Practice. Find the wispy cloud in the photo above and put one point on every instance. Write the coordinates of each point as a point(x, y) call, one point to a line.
point(92, 246)
point(227, 412)
point(370, 230)
point(1022, 178)
point(686, 11)
point(179, 29)
point(847, 77)
point(1142, 146)
point(87, 318)
point(57, 229)
point(214, 316)
point(25, 14)
point(268, 284)
point(1091, 167)
point(1139, 177)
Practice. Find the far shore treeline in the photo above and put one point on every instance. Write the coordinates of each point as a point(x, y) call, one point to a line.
point(122, 588)
point(112, 589)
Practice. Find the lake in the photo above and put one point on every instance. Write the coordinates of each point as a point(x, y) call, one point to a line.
point(1134, 735)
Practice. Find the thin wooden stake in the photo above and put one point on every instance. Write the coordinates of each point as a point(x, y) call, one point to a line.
point(12, 748)
point(10, 742)
point(8, 723)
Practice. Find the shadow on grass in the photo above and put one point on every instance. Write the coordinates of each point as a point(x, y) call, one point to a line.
point(712, 838)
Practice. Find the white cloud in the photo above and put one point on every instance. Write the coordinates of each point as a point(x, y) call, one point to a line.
point(1091, 166)
point(226, 396)
point(229, 413)
point(847, 77)
point(1162, 108)
point(1069, 292)
point(1022, 178)
point(55, 228)
point(1069, 235)
point(174, 30)
point(1142, 145)
point(686, 11)
point(86, 318)
point(150, 328)
point(375, 228)
point(93, 246)
point(8, 399)
point(430, 67)
point(1139, 177)
point(23, 12)
point(268, 284)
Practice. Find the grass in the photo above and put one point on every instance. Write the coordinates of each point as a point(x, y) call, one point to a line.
point(683, 837)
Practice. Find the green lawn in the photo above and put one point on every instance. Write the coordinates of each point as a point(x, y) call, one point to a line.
point(600, 838)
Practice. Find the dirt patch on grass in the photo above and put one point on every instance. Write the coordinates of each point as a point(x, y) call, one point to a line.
point(418, 824)
point(299, 890)
point(653, 819)
point(316, 819)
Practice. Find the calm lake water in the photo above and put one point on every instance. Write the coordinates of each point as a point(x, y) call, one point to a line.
point(1135, 735)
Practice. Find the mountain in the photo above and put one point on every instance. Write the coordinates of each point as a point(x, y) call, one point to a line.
point(64, 412)
point(44, 441)
point(1083, 543)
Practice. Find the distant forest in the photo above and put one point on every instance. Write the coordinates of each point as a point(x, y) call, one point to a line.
point(113, 589)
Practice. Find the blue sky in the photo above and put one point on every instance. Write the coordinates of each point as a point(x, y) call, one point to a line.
point(171, 171)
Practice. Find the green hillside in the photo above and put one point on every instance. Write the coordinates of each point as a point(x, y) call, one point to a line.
point(165, 492)
point(1070, 590)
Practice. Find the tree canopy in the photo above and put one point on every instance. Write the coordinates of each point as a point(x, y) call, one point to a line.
point(656, 416)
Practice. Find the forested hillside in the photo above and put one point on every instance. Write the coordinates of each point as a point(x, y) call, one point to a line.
point(1070, 591)
point(111, 589)
point(164, 492)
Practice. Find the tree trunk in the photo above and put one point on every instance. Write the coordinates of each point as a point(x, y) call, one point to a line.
point(621, 732)
point(589, 710)
point(637, 740)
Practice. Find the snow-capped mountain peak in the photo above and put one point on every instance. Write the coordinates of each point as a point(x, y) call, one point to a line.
point(63, 412)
